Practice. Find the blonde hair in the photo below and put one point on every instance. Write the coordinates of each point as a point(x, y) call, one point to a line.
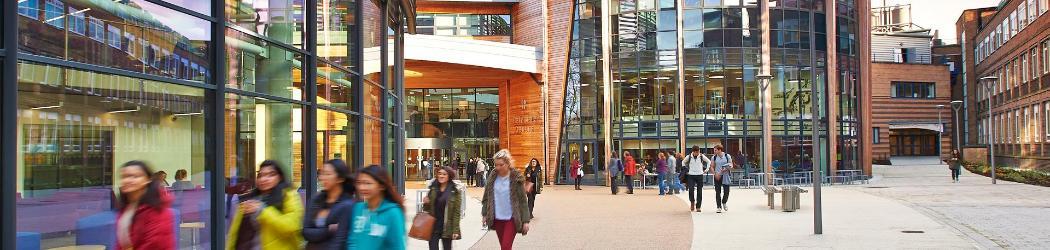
point(504, 154)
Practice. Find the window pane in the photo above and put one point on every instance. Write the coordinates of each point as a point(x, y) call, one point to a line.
point(335, 135)
point(134, 38)
point(373, 101)
point(280, 20)
point(334, 87)
point(255, 65)
point(374, 37)
point(259, 129)
point(77, 127)
point(335, 30)
point(373, 142)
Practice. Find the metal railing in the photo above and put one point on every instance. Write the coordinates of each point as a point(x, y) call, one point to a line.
point(901, 58)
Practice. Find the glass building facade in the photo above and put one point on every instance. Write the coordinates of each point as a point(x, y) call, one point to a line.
point(201, 90)
point(463, 122)
point(697, 61)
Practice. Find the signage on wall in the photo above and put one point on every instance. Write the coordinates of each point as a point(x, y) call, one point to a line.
point(525, 122)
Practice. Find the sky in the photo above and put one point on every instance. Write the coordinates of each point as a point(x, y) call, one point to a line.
point(938, 15)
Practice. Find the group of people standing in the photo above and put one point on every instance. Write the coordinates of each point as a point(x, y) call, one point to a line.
point(674, 169)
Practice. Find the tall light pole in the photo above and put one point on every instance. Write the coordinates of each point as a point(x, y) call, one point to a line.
point(989, 83)
point(767, 127)
point(956, 105)
point(940, 131)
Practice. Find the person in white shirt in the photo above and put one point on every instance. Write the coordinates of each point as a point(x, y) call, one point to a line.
point(694, 179)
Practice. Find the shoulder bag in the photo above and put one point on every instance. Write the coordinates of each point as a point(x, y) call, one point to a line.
point(422, 226)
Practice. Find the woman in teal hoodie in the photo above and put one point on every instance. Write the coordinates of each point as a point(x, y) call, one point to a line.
point(379, 220)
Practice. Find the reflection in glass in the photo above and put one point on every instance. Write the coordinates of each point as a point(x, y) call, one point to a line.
point(259, 129)
point(137, 36)
point(280, 20)
point(374, 36)
point(76, 127)
point(334, 87)
point(335, 136)
point(256, 65)
point(373, 142)
point(336, 32)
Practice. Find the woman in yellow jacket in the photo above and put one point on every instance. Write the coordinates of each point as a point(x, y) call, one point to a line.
point(270, 217)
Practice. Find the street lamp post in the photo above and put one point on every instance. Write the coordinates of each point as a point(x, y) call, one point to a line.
point(956, 105)
point(767, 128)
point(989, 82)
point(940, 131)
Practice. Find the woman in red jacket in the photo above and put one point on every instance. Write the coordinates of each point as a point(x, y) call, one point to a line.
point(575, 172)
point(144, 220)
point(629, 169)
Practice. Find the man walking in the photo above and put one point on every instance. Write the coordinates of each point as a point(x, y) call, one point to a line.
point(721, 164)
point(697, 164)
point(614, 168)
point(672, 172)
point(628, 171)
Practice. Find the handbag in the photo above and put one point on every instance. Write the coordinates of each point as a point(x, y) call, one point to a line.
point(529, 186)
point(422, 226)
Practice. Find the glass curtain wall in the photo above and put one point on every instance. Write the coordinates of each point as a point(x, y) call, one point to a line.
point(101, 83)
point(720, 57)
point(465, 121)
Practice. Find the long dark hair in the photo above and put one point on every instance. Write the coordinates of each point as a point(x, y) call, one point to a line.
point(380, 175)
point(276, 197)
point(451, 176)
point(152, 195)
point(342, 171)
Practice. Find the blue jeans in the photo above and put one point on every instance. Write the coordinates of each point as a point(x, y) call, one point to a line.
point(660, 178)
point(676, 184)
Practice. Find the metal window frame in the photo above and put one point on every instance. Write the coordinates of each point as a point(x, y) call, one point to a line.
point(216, 94)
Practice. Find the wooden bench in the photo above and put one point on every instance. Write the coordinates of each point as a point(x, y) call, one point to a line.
point(770, 191)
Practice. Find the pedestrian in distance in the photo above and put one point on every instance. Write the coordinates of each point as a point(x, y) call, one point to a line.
point(270, 217)
point(327, 221)
point(577, 173)
point(444, 201)
point(721, 164)
point(615, 167)
point(472, 168)
point(955, 166)
point(661, 172)
point(674, 163)
point(504, 204)
point(696, 164)
point(480, 172)
point(629, 171)
point(144, 216)
point(379, 218)
point(534, 175)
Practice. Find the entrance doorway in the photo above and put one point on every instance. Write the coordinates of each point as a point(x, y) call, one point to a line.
point(913, 142)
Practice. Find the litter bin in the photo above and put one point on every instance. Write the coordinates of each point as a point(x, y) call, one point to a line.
point(790, 198)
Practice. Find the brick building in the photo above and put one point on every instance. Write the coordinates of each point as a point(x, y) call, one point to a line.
point(1005, 63)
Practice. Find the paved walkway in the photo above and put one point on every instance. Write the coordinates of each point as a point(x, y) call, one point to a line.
point(594, 219)
point(915, 160)
point(1006, 215)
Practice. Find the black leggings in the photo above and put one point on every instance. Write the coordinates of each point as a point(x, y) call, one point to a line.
point(721, 193)
point(446, 243)
point(578, 181)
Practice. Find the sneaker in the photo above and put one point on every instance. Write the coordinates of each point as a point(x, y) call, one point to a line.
point(692, 207)
point(719, 210)
point(725, 207)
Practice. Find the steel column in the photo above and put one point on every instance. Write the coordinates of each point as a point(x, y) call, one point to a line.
point(215, 120)
point(606, 84)
point(309, 177)
point(764, 81)
point(9, 128)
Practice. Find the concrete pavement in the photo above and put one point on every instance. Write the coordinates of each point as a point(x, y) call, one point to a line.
point(1007, 215)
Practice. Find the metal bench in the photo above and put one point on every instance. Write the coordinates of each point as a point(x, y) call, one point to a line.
point(770, 191)
point(747, 183)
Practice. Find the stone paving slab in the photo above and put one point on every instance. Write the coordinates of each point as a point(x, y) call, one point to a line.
point(852, 220)
point(1006, 215)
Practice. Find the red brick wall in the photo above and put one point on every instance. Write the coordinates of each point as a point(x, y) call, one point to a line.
point(886, 109)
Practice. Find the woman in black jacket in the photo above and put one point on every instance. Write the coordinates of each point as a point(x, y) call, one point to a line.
point(327, 219)
point(534, 174)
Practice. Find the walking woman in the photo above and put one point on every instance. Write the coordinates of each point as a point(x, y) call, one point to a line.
point(504, 205)
point(721, 164)
point(270, 217)
point(144, 219)
point(379, 218)
point(444, 202)
point(576, 173)
point(955, 166)
point(661, 172)
point(534, 174)
point(327, 220)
